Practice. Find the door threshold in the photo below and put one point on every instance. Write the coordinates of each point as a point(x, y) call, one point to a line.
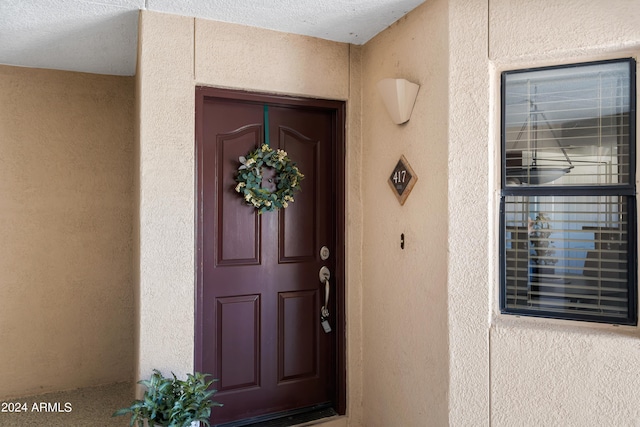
point(286, 419)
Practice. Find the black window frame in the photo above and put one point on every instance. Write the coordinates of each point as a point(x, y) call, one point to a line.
point(628, 189)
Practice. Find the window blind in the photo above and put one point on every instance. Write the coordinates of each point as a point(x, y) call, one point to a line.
point(567, 125)
point(567, 254)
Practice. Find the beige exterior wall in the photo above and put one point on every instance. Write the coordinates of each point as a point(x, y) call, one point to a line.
point(471, 222)
point(166, 120)
point(404, 300)
point(66, 282)
point(546, 372)
point(502, 370)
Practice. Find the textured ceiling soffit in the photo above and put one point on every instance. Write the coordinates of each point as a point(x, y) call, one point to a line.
point(101, 36)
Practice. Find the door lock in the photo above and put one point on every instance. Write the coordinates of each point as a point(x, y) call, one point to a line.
point(324, 253)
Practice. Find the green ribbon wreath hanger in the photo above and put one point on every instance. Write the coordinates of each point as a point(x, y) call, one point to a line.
point(266, 125)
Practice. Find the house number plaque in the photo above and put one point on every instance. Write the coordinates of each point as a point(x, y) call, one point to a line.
point(402, 180)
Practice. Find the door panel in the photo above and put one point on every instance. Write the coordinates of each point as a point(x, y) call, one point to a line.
point(238, 352)
point(301, 216)
point(233, 250)
point(297, 350)
point(259, 295)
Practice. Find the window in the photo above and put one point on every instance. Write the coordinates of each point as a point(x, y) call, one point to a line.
point(568, 205)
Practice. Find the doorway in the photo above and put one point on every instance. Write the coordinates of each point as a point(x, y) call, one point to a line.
point(259, 294)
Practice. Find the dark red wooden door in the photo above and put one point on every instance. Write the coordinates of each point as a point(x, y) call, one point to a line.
point(259, 294)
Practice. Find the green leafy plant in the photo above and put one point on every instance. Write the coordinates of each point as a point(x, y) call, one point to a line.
point(171, 402)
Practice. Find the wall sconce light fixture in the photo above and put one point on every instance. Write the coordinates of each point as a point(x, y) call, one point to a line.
point(399, 96)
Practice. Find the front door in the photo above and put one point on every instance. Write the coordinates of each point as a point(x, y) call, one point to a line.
point(259, 294)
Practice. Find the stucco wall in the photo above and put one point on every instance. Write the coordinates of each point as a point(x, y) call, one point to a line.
point(66, 170)
point(404, 308)
point(175, 55)
point(544, 372)
point(426, 343)
point(502, 370)
point(470, 219)
point(165, 186)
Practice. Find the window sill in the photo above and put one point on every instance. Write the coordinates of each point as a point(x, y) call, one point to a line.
point(500, 320)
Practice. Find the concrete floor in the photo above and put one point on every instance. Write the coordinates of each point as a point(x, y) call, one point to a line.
point(89, 407)
point(78, 408)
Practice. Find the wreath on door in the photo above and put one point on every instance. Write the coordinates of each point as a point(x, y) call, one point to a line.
point(286, 179)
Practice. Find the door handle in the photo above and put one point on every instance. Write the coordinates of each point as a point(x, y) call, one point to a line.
point(324, 276)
